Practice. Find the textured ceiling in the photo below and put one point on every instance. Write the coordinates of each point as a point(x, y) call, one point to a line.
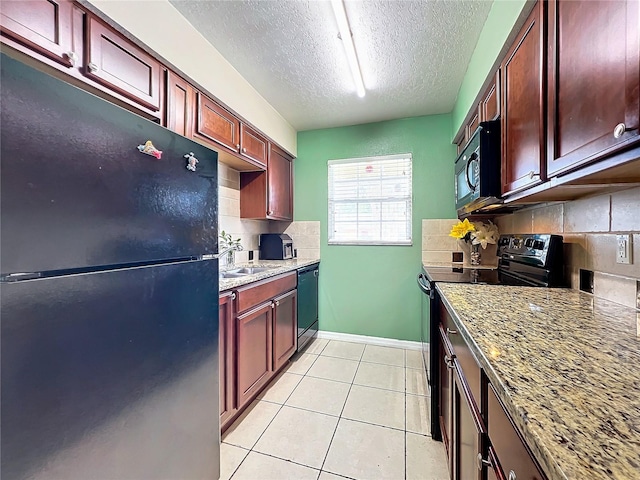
point(413, 54)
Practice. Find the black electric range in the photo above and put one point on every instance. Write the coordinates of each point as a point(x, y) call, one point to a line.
point(525, 260)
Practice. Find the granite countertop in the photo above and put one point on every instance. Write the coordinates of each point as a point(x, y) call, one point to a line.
point(277, 267)
point(566, 366)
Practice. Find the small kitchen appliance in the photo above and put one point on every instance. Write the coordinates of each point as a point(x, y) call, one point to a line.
point(477, 171)
point(525, 260)
point(276, 246)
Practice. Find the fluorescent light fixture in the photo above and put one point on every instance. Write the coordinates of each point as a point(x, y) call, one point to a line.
point(349, 48)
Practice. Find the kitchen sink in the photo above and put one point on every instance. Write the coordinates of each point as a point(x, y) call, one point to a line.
point(242, 272)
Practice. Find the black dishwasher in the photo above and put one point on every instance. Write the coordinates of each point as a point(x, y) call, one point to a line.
point(307, 304)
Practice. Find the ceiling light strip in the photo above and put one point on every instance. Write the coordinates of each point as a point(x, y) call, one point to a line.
point(347, 41)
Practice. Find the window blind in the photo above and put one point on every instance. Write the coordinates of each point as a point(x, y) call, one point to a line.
point(370, 200)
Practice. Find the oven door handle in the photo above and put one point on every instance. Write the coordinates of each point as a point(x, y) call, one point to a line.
point(425, 287)
point(472, 158)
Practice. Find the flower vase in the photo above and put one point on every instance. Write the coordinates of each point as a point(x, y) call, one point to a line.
point(475, 257)
point(231, 258)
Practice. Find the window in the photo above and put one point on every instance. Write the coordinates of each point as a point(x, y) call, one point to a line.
point(370, 200)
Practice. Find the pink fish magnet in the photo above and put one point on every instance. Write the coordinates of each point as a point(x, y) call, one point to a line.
point(149, 149)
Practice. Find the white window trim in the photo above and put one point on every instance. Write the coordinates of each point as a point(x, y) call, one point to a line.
point(330, 202)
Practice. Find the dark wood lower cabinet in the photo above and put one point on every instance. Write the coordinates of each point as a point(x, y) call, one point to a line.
point(468, 431)
point(284, 328)
point(253, 351)
point(511, 451)
point(479, 436)
point(225, 357)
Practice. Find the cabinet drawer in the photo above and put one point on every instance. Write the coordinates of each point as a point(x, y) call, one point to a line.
point(259, 292)
point(121, 66)
point(463, 353)
point(513, 454)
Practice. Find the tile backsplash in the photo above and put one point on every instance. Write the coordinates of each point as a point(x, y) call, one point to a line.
point(438, 247)
point(589, 227)
point(305, 236)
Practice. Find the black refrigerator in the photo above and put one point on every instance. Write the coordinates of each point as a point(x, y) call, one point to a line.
point(109, 290)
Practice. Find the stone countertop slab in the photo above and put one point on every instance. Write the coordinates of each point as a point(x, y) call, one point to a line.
point(566, 365)
point(277, 267)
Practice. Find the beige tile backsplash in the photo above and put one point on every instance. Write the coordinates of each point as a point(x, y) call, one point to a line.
point(438, 246)
point(305, 236)
point(589, 227)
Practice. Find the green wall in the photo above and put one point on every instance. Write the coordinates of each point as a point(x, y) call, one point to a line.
point(371, 290)
point(502, 17)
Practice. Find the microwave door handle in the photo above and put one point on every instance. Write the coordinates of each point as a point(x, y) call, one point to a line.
point(472, 158)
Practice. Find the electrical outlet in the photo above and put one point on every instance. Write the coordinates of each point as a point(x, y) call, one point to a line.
point(623, 249)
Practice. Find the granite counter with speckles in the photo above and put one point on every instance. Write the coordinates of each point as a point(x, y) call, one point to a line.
point(276, 267)
point(566, 366)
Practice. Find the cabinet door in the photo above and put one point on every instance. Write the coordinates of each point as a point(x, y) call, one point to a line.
point(285, 332)
point(215, 124)
point(45, 26)
point(523, 135)
point(121, 66)
point(225, 357)
point(445, 403)
point(253, 145)
point(490, 105)
point(253, 352)
point(473, 123)
point(467, 431)
point(594, 67)
point(280, 185)
point(181, 104)
point(512, 453)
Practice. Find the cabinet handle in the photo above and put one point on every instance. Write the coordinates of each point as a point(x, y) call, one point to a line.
point(233, 296)
point(237, 146)
point(619, 130)
point(244, 149)
point(273, 305)
point(482, 462)
point(73, 57)
point(512, 475)
point(315, 273)
point(451, 332)
point(93, 68)
point(448, 361)
point(533, 174)
point(270, 212)
point(277, 303)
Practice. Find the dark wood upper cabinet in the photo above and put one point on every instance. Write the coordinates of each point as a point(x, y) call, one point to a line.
point(253, 352)
point(473, 124)
point(181, 101)
point(226, 358)
point(523, 97)
point(45, 26)
point(280, 173)
point(253, 145)
point(593, 77)
point(285, 331)
point(214, 123)
point(269, 195)
point(120, 65)
point(490, 103)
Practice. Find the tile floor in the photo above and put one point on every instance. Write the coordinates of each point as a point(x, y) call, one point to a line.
point(339, 410)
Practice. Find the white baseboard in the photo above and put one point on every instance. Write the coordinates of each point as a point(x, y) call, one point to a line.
point(383, 342)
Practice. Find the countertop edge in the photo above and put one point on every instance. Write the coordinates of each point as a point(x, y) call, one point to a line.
point(279, 267)
point(543, 456)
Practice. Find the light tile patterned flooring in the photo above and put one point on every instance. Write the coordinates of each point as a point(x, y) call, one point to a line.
point(339, 410)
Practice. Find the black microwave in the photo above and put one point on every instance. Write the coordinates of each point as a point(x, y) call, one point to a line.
point(477, 177)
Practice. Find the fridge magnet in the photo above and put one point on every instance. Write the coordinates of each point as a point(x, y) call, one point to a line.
point(191, 161)
point(149, 149)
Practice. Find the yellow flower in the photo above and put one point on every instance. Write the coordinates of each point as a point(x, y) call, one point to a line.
point(460, 229)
